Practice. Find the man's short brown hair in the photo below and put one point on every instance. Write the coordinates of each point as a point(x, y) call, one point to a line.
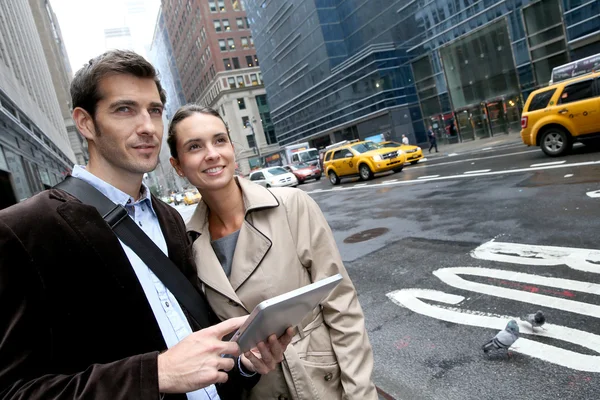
point(84, 88)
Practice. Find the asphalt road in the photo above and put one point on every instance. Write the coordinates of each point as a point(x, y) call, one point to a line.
point(445, 252)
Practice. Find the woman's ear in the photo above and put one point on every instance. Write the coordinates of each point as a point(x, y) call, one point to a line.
point(175, 165)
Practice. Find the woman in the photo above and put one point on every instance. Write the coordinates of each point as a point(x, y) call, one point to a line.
point(251, 244)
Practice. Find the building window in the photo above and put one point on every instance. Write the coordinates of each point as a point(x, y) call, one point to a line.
point(217, 24)
point(226, 25)
point(241, 104)
point(256, 64)
point(236, 63)
point(231, 44)
point(231, 81)
point(240, 81)
point(253, 79)
point(240, 23)
point(227, 64)
point(251, 42)
point(212, 6)
point(221, 5)
point(235, 4)
point(222, 111)
point(203, 34)
point(212, 71)
point(245, 122)
point(247, 23)
point(250, 139)
point(222, 45)
point(271, 137)
point(244, 43)
point(207, 52)
point(249, 61)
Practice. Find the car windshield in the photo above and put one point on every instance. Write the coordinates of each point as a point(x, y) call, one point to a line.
point(300, 166)
point(364, 147)
point(277, 171)
point(310, 155)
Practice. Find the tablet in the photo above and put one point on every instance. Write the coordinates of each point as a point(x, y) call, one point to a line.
point(275, 315)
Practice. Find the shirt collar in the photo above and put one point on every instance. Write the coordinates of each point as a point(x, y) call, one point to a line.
point(115, 195)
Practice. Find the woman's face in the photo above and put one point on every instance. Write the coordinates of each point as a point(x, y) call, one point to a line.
point(206, 156)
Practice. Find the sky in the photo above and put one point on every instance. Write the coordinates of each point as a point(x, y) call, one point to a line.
point(82, 23)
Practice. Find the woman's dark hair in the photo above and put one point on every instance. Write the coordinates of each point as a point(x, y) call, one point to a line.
point(187, 111)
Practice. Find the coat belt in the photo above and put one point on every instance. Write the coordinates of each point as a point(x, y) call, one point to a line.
point(308, 325)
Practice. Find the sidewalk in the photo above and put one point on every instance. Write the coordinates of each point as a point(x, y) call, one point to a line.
point(473, 145)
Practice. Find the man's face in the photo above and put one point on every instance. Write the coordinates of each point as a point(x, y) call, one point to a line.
point(128, 124)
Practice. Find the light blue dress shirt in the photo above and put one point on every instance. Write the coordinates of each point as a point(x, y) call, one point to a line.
point(167, 311)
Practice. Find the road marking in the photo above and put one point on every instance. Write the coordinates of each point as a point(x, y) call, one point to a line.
point(360, 184)
point(476, 159)
point(595, 193)
point(411, 299)
point(487, 148)
point(422, 159)
point(317, 190)
point(428, 177)
point(492, 173)
point(450, 277)
point(587, 260)
point(568, 175)
point(390, 181)
point(452, 154)
point(548, 163)
point(478, 171)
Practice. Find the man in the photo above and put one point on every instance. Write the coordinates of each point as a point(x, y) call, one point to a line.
point(405, 140)
point(432, 139)
point(81, 315)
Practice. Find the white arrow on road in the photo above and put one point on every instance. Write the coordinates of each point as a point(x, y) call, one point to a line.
point(595, 193)
point(411, 299)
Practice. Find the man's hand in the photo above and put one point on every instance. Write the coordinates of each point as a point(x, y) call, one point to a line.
point(265, 356)
point(196, 361)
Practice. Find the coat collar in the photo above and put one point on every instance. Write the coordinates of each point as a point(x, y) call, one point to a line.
point(251, 248)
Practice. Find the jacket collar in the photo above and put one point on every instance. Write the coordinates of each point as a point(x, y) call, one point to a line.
point(251, 248)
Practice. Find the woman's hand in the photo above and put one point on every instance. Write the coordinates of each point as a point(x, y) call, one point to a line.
point(265, 356)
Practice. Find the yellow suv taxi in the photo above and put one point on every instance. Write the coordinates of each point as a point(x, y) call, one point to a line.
point(361, 159)
point(413, 153)
point(558, 115)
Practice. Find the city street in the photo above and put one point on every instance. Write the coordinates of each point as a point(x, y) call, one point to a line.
point(446, 252)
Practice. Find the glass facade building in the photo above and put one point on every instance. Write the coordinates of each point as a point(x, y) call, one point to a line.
point(342, 69)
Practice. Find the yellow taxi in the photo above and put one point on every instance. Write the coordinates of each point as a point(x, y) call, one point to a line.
point(558, 115)
point(191, 197)
point(360, 158)
point(413, 153)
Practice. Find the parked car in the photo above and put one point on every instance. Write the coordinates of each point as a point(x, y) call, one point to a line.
point(413, 153)
point(558, 115)
point(304, 171)
point(363, 159)
point(191, 197)
point(273, 177)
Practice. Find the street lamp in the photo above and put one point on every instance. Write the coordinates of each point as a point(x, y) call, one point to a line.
point(250, 125)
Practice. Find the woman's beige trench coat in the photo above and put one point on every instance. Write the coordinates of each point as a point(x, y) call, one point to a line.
point(285, 243)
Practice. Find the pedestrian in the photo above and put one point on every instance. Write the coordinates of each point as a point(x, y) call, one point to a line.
point(252, 243)
point(405, 140)
point(432, 139)
point(81, 315)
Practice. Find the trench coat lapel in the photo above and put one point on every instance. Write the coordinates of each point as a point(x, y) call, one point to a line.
point(209, 268)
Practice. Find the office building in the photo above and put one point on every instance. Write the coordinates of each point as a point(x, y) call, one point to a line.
point(217, 63)
point(60, 70)
point(35, 151)
point(348, 69)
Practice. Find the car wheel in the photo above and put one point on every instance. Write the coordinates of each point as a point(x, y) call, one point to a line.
point(414, 162)
point(365, 172)
point(333, 178)
point(556, 142)
point(318, 178)
point(399, 169)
